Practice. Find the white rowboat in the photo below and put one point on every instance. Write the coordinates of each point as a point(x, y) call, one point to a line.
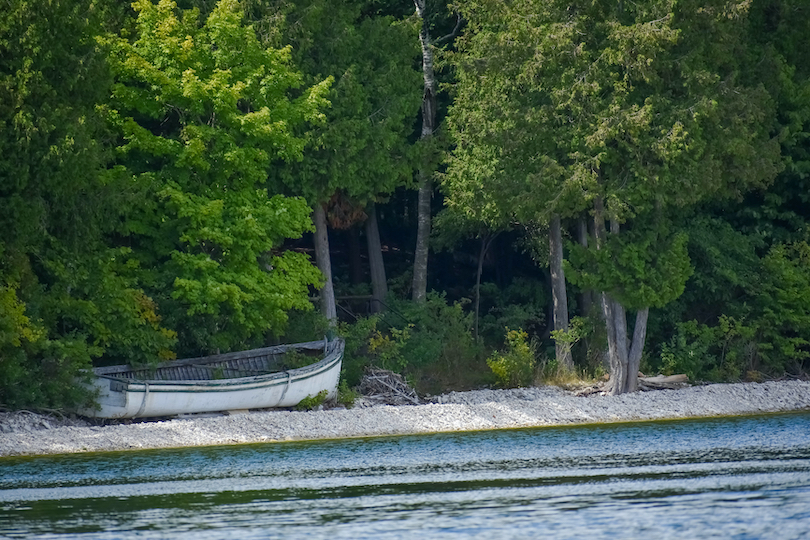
point(254, 379)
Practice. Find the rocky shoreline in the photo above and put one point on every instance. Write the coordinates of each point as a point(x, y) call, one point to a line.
point(24, 434)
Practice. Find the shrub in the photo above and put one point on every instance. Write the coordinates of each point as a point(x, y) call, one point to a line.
point(715, 353)
point(311, 402)
point(522, 304)
point(368, 346)
point(430, 343)
point(515, 366)
point(440, 353)
point(303, 326)
point(346, 396)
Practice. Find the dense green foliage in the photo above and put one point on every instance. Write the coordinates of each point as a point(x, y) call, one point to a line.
point(361, 150)
point(159, 166)
point(67, 294)
point(203, 110)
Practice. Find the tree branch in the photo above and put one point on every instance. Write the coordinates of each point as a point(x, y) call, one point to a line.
point(459, 23)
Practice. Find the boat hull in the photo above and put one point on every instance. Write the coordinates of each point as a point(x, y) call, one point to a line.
point(119, 397)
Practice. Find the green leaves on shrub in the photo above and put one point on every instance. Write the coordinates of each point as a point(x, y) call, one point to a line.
point(311, 402)
point(515, 366)
point(783, 302)
point(366, 345)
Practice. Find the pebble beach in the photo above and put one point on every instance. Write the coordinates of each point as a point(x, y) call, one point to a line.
point(28, 434)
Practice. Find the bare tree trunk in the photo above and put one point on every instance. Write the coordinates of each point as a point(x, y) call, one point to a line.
point(636, 348)
point(379, 284)
point(618, 367)
point(558, 292)
point(486, 242)
point(420, 263)
point(585, 297)
point(328, 306)
point(617, 362)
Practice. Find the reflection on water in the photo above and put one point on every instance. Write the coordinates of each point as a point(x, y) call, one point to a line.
point(725, 478)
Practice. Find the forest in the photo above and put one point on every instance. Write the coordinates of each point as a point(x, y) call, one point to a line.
point(473, 193)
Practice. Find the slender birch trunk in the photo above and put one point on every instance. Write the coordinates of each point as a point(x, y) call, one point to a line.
point(420, 263)
point(322, 259)
point(379, 284)
point(558, 292)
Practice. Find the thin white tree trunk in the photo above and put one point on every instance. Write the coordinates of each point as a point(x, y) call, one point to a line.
point(420, 257)
point(420, 263)
point(379, 284)
point(558, 292)
point(322, 259)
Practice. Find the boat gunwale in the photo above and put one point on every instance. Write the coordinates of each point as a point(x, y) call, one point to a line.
point(333, 349)
point(229, 385)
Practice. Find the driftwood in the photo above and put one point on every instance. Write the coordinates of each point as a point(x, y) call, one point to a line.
point(385, 387)
point(660, 382)
point(597, 388)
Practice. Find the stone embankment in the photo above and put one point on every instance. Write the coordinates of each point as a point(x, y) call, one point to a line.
point(28, 434)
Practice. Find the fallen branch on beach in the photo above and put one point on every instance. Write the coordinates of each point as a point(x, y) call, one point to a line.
point(659, 382)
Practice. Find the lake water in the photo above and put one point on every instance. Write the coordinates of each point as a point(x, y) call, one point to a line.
point(722, 478)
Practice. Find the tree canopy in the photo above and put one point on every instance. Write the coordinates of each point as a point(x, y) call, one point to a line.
point(161, 165)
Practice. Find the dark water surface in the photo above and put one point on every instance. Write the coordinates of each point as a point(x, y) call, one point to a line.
point(722, 478)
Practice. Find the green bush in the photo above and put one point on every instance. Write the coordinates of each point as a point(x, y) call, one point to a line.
point(723, 352)
point(366, 345)
point(515, 366)
point(438, 329)
point(37, 372)
point(346, 396)
point(303, 326)
point(431, 344)
point(311, 402)
point(441, 353)
point(783, 310)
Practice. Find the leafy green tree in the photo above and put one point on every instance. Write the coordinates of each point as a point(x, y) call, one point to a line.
point(204, 111)
point(741, 315)
point(637, 110)
point(783, 320)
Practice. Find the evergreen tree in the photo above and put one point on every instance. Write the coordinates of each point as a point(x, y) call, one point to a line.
point(362, 153)
point(634, 110)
